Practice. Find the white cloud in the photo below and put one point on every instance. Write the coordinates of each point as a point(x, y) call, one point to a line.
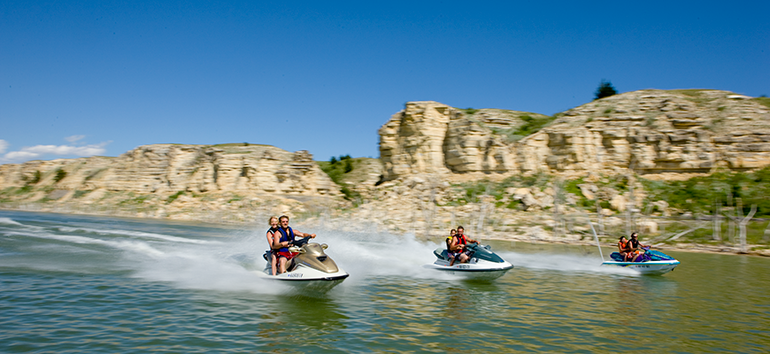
point(38, 151)
point(19, 156)
point(74, 138)
point(87, 150)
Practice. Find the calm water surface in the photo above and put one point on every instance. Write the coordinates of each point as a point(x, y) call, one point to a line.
point(76, 284)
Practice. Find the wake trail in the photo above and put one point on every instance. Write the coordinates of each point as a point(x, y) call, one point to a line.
point(134, 246)
point(560, 262)
point(106, 232)
point(9, 221)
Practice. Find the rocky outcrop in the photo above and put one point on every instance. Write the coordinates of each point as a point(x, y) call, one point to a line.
point(231, 182)
point(652, 132)
point(430, 137)
point(170, 168)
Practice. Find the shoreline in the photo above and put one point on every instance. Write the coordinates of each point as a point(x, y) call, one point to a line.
point(679, 247)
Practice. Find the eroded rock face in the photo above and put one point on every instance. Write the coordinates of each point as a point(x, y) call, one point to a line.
point(170, 168)
point(652, 132)
point(432, 138)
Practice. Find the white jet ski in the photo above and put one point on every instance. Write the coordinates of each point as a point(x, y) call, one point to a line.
point(312, 267)
point(483, 264)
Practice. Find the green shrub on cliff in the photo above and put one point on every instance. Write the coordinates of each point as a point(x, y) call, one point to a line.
point(60, 175)
point(764, 100)
point(173, 197)
point(337, 169)
point(36, 178)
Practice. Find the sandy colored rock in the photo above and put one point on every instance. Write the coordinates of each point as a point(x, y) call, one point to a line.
point(655, 133)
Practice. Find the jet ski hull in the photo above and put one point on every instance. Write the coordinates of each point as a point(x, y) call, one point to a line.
point(654, 263)
point(472, 270)
point(307, 278)
point(649, 268)
point(311, 268)
point(484, 264)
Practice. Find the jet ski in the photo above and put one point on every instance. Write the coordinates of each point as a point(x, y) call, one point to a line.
point(312, 267)
point(483, 263)
point(651, 262)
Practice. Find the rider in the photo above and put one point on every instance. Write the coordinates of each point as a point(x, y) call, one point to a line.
point(449, 252)
point(273, 222)
point(624, 248)
point(635, 247)
point(283, 239)
point(459, 241)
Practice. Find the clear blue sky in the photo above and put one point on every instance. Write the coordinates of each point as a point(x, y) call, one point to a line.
point(103, 77)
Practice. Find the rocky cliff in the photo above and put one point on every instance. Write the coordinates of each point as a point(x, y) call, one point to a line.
point(164, 179)
point(652, 132)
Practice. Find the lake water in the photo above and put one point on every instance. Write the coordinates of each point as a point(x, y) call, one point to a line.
point(79, 284)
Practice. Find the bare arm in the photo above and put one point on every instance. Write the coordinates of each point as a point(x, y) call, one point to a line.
point(303, 234)
point(453, 246)
point(270, 239)
point(277, 241)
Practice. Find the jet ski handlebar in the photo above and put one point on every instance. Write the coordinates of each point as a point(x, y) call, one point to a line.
point(301, 242)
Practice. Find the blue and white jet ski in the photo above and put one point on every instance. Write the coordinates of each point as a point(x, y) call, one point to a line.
point(652, 262)
point(483, 263)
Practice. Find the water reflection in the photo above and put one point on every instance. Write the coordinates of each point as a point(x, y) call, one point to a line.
point(314, 313)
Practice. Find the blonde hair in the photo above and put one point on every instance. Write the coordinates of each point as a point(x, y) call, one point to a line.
point(269, 221)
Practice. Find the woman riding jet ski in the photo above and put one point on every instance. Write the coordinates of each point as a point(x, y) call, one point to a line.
point(482, 264)
point(310, 266)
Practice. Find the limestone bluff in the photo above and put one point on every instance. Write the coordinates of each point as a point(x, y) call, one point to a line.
point(199, 182)
point(651, 132)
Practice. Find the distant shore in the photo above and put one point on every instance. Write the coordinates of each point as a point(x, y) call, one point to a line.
point(679, 247)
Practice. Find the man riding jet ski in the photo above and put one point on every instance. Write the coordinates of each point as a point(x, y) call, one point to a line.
point(311, 263)
point(300, 261)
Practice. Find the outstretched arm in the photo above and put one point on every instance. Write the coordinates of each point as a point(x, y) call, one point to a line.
point(303, 234)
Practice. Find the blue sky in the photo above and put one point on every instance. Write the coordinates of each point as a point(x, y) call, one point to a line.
point(100, 78)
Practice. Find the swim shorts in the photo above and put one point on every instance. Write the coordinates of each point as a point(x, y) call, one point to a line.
point(287, 254)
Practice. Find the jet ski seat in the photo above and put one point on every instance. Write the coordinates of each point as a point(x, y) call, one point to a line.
point(441, 254)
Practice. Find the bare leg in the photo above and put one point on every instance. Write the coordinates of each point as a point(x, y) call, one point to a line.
point(463, 258)
point(452, 261)
point(273, 263)
point(282, 266)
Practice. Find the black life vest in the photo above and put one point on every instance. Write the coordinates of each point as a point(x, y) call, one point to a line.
point(271, 230)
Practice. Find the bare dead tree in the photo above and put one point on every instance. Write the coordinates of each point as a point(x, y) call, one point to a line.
point(486, 205)
point(742, 226)
point(600, 217)
point(717, 221)
point(429, 210)
point(730, 218)
point(558, 227)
